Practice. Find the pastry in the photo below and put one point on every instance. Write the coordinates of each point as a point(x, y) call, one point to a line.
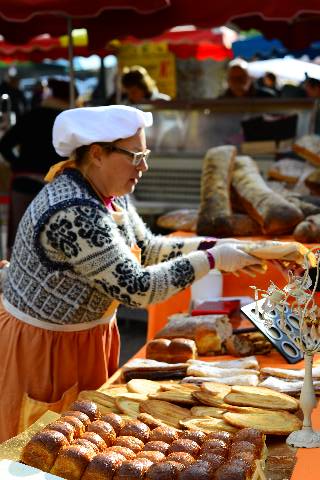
point(164, 434)
point(157, 446)
point(227, 437)
point(215, 445)
point(114, 420)
point(63, 427)
point(151, 455)
point(163, 471)
point(96, 440)
point(215, 460)
point(199, 470)
point(207, 424)
point(72, 462)
point(196, 436)
point(43, 448)
point(272, 422)
point(105, 431)
point(261, 397)
point(133, 469)
point(167, 412)
point(87, 407)
point(137, 429)
point(181, 457)
point(251, 435)
point(130, 442)
point(243, 446)
point(308, 147)
point(140, 385)
point(150, 421)
point(187, 446)
point(177, 350)
point(232, 470)
point(126, 452)
point(103, 466)
point(86, 443)
point(78, 426)
point(80, 415)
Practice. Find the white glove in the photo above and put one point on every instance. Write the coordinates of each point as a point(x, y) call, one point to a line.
point(231, 241)
point(230, 258)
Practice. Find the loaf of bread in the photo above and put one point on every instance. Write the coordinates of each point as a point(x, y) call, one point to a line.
point(308, 147)
point(136, 429)
point(178, 350)
point(103, 466)
point(308, 231)
point(72, 461)
point(89, 408)
point(215, 213)
point(273, 213)
point(105, 431)
point(43, 448)
point(184, 219)
point(208, 331)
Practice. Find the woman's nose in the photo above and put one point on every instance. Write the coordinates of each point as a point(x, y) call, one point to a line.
point(143, 166)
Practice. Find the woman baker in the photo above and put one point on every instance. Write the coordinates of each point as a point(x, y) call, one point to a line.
point(81, 249)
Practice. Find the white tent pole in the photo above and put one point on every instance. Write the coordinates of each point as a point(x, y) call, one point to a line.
point(71, 65)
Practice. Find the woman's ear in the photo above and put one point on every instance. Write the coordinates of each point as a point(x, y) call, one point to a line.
point(95, 153)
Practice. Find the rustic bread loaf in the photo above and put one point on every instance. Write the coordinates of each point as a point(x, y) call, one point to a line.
point(215, 206)
point(178, 350)
point(269, 209)
point(308, 231)
point(184, 219)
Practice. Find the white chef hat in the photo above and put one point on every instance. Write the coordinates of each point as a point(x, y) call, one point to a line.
point(83, 126)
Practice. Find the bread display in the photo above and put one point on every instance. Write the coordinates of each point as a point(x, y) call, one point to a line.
point(89, 458)
point(208, 331)
point(269, 209)
point(215, 207)
point(177, 350)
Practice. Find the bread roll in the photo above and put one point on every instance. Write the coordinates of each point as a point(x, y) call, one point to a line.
point(126, 452)
point(214, 445)
point(63, 427)
point(231, 470)
point(199, 470)
point(152, 455)
point(184, 219)
point(183, 445)
point(86, 443)
point(178, 350)
point(164, 434)
point(133, 469)
point(95, 439)
point(215, 213)
point(215, 460)
point(103, 466)
point(130, 442)
point(43, 448)
point(181, 457)
point(89, 408)
point(227, 437)
point(72, 462)
point(150, 421)
point(269, 209)
point(105, 431)
point(251, 435)
point(78, 426)
point(157, 446)
point(80, 415)
point(163, 471)
point(243, 446)
point(137, 429)
point(116, 421)
point(196, 436)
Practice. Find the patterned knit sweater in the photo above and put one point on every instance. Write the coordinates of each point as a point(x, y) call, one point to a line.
point(72, 256)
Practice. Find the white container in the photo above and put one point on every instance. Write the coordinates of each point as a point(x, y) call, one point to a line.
point(207, 288)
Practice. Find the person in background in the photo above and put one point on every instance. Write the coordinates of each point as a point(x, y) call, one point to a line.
point(38, 93)
point(81, 250)
point(138, 86)
point(10, 86)
point(27, 146)
point(268, 81)
point(240, 84)
point(312, 87)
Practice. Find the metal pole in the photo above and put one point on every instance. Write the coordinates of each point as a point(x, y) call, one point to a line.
point(71, 66)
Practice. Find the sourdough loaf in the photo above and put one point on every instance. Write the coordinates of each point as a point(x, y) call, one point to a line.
point(215, 206)
point(177, 350)
point(269, 209)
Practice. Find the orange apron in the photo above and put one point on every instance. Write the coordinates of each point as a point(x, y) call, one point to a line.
point(43, 369)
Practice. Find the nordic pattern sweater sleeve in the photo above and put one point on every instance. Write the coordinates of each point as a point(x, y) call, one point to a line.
point(89, 241)
point(158, 248)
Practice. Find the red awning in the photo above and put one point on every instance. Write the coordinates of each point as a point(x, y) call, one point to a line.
point(107, 19)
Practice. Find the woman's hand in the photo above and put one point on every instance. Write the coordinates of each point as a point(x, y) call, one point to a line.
point(4, 263)
point(230, 258)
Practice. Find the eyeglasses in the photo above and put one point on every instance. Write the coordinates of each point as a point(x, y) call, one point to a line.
point(137, 157)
